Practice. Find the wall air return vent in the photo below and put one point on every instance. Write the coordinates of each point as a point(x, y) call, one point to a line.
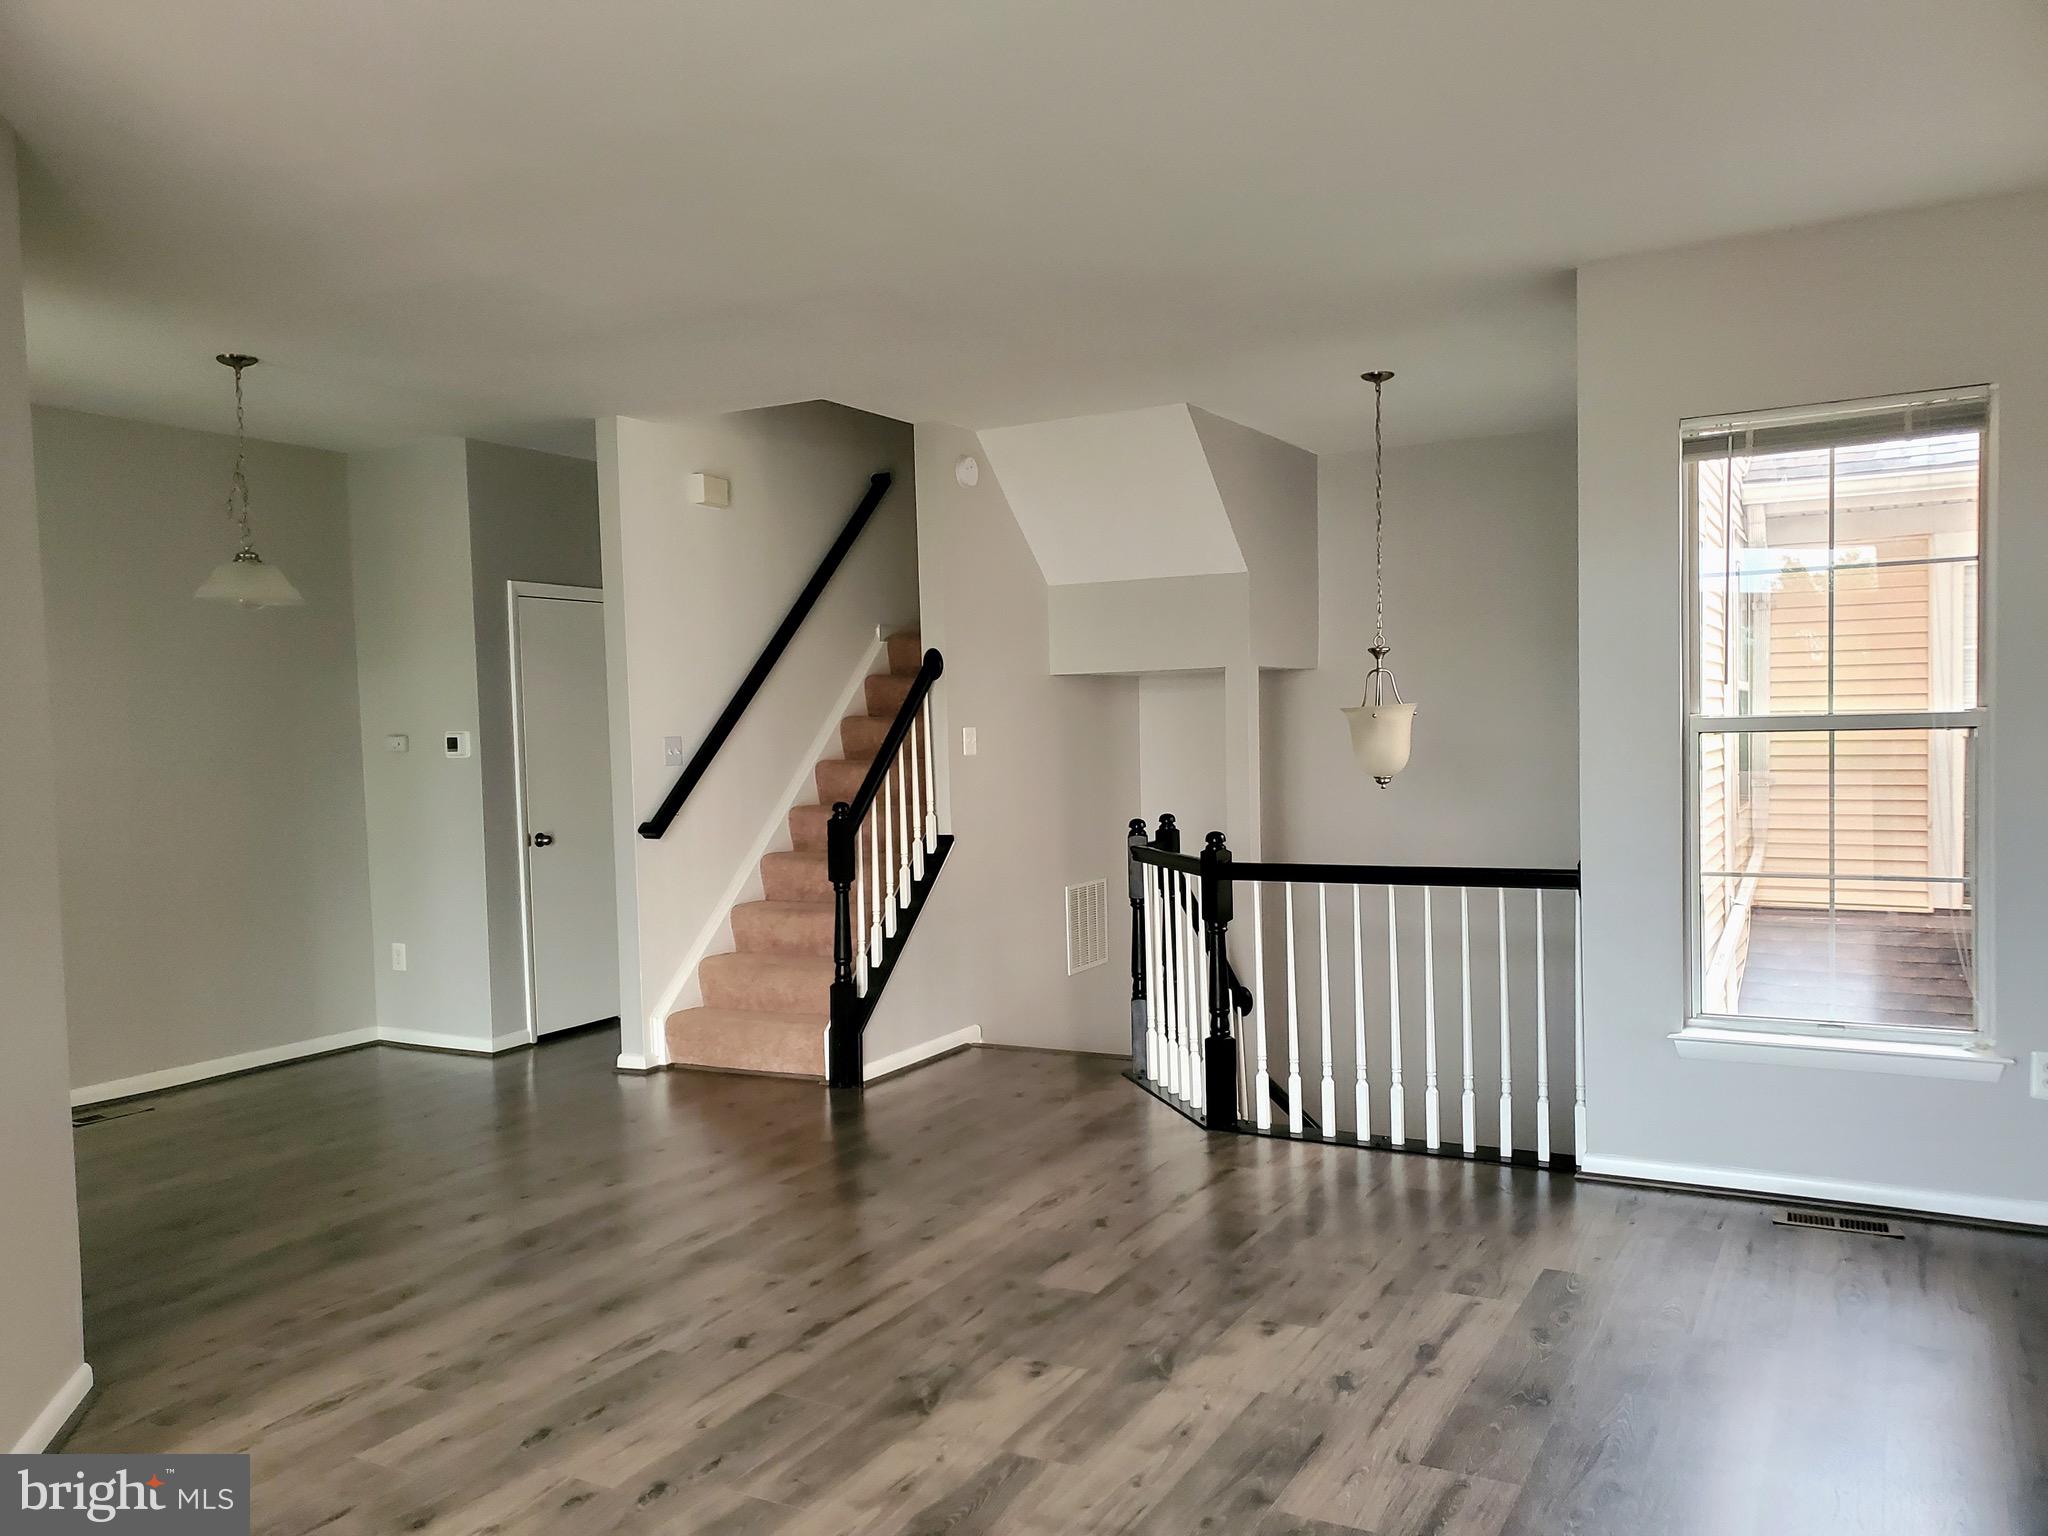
point(1087, 926)
point(1832, 1221)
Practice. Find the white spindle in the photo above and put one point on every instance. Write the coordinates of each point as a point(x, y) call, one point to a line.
point(888, 870)
point(1542, 1049)
point(875, 933)
point(1155, 1002)
point(917, 803)
point(858, 918)
point(1198, 1012)
point(1468, 1099)
point(931, 783)
point(1183, 959)
point(1432, 1105)
point(1260, 1090)
point(1361, 1107)
point(906, 828)
point(1205, 997)
point(1578, 1026)
point(1329, 1070)
point(1176, 983)
point(1397, 1099)
point(1293, 1026)
point(1507, 1059)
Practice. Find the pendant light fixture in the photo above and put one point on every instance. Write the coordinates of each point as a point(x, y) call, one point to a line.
point(1381, 731)
point(243, 579)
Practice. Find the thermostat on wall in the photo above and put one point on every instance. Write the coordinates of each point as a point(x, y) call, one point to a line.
point(710, 491)
point(455, 744)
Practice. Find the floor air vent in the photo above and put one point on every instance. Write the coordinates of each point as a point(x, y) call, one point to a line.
point(1087, 926)
point(85, 1117)
point(1829, 1221)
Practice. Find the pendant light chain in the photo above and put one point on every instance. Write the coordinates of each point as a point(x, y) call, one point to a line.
point(1379, 519)
point(238, 480)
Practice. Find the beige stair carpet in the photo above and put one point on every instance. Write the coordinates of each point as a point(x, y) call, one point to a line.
point(766, 1004)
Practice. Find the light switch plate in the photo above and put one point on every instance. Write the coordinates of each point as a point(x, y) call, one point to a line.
point(396, 743)
point(2037, 1079)
point(672, 751)
point(970, 744)
point(398, 957)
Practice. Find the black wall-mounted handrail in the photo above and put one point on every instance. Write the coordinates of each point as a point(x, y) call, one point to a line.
point(750, 685)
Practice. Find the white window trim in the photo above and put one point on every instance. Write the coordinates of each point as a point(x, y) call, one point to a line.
point(1920, 1051)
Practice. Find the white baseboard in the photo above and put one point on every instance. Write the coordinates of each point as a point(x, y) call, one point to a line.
point(220, 1066)
point(467, 1045)
point(56, 1413)
point(1753, 1181)
point(910, 1056)
point(630, 1062)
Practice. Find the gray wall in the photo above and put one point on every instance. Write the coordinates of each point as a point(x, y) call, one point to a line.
point(210, 792)
point(41, 1332)
point(1042, 805)
point(417, 662)
point(1876, 306)
point(532, 517)
point(1481, 614)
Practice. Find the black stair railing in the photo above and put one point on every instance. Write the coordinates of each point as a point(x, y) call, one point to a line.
point(883, 851)
point(1497, 955)
point(750, 685)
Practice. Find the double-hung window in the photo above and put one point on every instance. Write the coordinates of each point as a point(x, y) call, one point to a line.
point(1834, 704)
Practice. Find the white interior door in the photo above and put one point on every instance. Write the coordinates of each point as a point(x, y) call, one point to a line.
point(565, 766)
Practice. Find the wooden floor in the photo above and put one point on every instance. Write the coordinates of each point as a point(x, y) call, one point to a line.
point(1006, 1293)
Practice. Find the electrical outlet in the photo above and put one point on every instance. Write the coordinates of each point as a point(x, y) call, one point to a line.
point(2037, 1081)
point(398, 957)
point(672, 751)
point(970, 744)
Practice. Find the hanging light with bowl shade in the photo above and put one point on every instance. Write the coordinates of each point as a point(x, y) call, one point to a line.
point(243, 578)
point(1382, 730)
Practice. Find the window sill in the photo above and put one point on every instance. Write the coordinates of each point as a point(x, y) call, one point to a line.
point(1910, 1058)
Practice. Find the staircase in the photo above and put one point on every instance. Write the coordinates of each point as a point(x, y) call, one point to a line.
point(767, 1003)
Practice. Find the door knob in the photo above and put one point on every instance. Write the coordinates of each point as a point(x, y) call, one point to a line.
point(543, 839)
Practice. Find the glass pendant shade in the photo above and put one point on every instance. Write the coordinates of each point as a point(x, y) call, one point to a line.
point(247, 582)
point(1380, 737)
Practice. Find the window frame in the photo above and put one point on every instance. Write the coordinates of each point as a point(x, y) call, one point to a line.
point(1977, 847)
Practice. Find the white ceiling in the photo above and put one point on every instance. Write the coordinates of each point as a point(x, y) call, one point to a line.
point(505, 217)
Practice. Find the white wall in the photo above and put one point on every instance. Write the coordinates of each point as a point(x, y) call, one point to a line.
point(41, 1328)
point(1481, 614)
point(1268, 490)
point(210, 787)
point(532, 517)
point(416, 657)
point(1181, 750)
point(1042, 805)
point(692, 596)
point(1870, 307)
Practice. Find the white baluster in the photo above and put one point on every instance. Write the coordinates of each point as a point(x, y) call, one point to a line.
point(1198, 973)
point(1542, 1050)
point(931, 783)
point(890, 817)
point(875, 932)
point(1169, 939)
point(1578, 1026)
point(1154, 1002)
point(1329, 1071)
point(1261, 1090)
point(906, 827)
point(1293, 1026)
point(1361, 1106)
point(1184, 1003)
point(1507, 1059)
point(1432, 1106)
point(917, 808)
point(858, 914)
point(1468, 1099)
point(1205, 999)
point(1397, 1097)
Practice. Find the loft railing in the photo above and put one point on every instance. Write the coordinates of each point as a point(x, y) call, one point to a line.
point(750, 685)
point(1344, 1019)
point(883, 850)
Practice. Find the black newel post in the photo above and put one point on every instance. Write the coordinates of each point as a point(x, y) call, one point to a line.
point(843, 1047)
point(1219, 1056)
point(1134, 840)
